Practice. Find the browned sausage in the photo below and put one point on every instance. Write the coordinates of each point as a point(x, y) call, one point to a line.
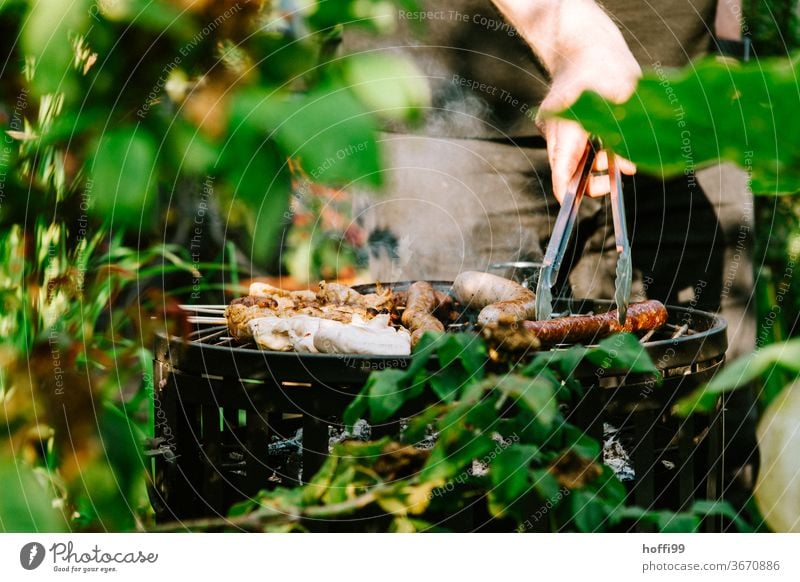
point(420, 304)
point(642, 316)
point(500, 300)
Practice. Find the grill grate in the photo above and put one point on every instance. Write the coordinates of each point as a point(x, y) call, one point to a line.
point(213, 330)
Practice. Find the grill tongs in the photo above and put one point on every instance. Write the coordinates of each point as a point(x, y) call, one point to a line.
point(563, 228)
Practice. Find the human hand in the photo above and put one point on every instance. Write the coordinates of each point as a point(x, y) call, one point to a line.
point(613, 76)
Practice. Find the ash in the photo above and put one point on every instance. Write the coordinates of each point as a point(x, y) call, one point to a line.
point(615, 455)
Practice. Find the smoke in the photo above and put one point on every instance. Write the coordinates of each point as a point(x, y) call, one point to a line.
point(457, 113)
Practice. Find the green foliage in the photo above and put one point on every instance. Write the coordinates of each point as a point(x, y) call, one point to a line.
point(772, 359)
point(680, 120)
point(125, 124)
point(47, 37)
point(773, 25)
point(123, 176)
point(26, 505)
point(502, 443)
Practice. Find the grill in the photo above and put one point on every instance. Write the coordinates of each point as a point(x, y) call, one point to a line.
point(227, 416)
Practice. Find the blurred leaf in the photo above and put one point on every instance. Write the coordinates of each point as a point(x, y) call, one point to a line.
point(545, 484)
point(47, 37)
point(386, 394)
point(465, 348)
point(679, 120)
point(564, 361)
point(328, 130)
point(447, 382)
point(123, 177)
point(426, 347)
point(373, 15)
point(159, 16)
point(622, 351)
point(260, 179)
point(537, 396)
point(122, 444)
point(588, 511)
point(26, 506)
point(445, 463)
point(784, 356)
point(355, 410)
point(580, 442)
point(510, 477)
point(668, 522)
point(706, 507)
point(192, 151)
point(390, 85)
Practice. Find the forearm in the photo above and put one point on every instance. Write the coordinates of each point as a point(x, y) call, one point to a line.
point(563, 32)
point(728, 22)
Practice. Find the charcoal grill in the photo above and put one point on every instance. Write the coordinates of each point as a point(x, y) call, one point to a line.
point(219, 406)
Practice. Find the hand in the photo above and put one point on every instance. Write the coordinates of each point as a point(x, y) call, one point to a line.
point(566, 140)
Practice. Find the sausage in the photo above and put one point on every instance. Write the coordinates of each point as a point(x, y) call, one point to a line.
point(500, 300)
point(421, 302)
point(642, 316)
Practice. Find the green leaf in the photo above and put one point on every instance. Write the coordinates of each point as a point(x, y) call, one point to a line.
point(447, 382)
point(588, 512)
point(622, 351)
point(386, 393)
point(564, 361)
point(537, 396)
point(510, 476)
point(389, 84)
point(47, 37)
point(739, 374)
point(191, 150)
point(122, 440)
point(336, 492)
point(328, 130)
point(446, 462)
point(545, 484)
point(123, 175)
point(580, 442)
point(25, 505)
point(375, 16)
point(705, 507)
point(670, 126)
point(669, 522)
point(258, 175)
point(356, 409)
point(465, 348)
point(609, 487)
point(418, 425)
point(426, 347)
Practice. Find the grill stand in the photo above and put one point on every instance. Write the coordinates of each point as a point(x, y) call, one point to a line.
point(212, 432)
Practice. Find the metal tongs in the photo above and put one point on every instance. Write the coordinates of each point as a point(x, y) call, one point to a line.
point(563, 228)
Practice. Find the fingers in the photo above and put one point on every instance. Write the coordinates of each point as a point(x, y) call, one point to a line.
point(626, 166)
point(600, 185)
point(566, 142)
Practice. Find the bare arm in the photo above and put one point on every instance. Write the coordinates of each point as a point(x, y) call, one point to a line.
point(728, 23)
point(582, 49)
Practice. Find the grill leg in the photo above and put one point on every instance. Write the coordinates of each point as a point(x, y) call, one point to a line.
point(643, 455)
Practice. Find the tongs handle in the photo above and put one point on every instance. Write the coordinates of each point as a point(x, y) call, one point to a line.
point(559, 239)
point(568, 213)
